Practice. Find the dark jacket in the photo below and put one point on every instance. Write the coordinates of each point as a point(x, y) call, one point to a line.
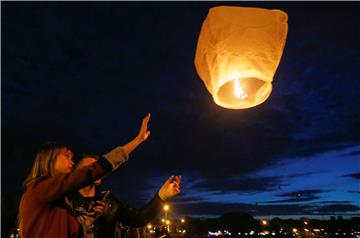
point(115, 212)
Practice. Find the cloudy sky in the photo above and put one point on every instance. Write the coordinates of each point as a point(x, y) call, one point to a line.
point(87, 73)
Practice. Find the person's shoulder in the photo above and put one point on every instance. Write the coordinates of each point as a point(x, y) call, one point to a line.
point(32, 184)
point(36, 181)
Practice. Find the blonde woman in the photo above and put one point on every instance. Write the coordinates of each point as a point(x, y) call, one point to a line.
point(43, 210)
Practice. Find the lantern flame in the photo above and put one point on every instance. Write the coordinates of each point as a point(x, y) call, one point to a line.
point(239, 92)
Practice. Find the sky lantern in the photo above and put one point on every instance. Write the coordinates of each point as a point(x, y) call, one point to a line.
point(238, 52)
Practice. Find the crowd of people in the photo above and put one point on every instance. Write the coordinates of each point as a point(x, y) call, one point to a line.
point(61, 199)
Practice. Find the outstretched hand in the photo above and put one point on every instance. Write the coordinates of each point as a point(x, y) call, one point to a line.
point(170, 188)
point(144, 133)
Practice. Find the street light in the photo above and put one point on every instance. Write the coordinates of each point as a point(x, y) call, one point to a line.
point(167, 227)
point(166, 208)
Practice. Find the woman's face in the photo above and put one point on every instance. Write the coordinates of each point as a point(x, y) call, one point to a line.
point(64, 161)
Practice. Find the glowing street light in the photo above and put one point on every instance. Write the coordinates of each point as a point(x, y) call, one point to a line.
point(182, 220)
point(166, 209)
point(264, 222)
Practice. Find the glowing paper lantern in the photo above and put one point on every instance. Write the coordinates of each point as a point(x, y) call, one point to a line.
point(238, 52)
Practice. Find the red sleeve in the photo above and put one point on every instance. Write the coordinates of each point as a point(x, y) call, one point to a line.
point(48, 189)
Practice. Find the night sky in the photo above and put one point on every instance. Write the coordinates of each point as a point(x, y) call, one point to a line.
point(86, 74)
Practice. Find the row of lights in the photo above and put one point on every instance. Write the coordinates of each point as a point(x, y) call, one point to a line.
point(165, 220)
point(220, 233)
point(294, 232)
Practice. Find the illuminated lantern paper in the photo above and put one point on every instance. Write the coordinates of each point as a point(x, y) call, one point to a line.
point(238, 52)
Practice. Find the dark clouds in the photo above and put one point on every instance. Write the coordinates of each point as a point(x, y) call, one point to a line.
point(354, 175)
point(86, 74)
point(243, 184)
point(299, 196)
point(270, 210)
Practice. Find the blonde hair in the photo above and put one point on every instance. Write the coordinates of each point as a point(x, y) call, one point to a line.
point(43, 167)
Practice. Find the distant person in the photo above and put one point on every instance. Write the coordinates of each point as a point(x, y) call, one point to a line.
point(43, 210)
point(103, 224)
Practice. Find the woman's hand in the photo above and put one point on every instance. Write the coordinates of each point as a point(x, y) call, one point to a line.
point(170, 188)
point(142, 136)
point(144, 132)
